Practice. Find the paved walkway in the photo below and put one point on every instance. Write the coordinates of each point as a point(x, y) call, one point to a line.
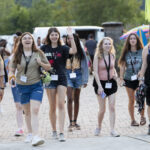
point(87, 119)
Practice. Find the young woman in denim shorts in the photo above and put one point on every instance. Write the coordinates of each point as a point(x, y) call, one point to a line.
point(105, 84)
point(130, 63)
point(27, 59)
point(57, 55)
point(16, 96)
point(77, 75)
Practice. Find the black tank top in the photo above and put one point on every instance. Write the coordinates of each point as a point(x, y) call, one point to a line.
point(147, 73)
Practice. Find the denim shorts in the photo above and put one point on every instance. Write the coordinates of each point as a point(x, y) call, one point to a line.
point(16, 95)
point(74, 82)
point(30, 92)
point(62, 80)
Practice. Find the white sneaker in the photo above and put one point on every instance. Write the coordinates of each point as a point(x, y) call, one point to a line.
point(97, 131)
point(37, 141)
point(54, 135)
point(28, 138)
point(1, 111)
point(114, 134)
point(61, 137)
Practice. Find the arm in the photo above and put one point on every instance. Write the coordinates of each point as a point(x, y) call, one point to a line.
point(43, 62)
point(122, 71)
point(144, 63)
point(95, 67)
point(73, 48)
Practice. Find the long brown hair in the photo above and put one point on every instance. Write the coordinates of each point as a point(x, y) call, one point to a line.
point(19, 48)
point(127, 48)
point(99, 49)
point(48, 41)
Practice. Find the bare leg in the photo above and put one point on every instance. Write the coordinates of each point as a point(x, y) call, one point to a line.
point(51, 93)
point(19, 115)
point(35, 106)
point(61, 91)
point(26, 108)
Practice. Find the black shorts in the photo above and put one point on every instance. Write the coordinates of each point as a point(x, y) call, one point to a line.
point(62, 80)
point(132, 84)
point(148, 95)
point(108, 92)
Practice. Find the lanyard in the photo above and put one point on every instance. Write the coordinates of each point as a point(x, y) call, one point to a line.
point(107, 66)
point(27, 62)
point(132, 64)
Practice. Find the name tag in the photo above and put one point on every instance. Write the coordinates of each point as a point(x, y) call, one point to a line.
point(23, 79)
point(134, 77)
point(72, 75)
point(54, 77)
point(108, 85)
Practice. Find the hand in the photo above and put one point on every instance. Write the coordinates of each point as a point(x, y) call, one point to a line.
point(121, 82)
point(69, 31)
point(100, 90)
point(38, 60)
point(85, 85)
point(1, 94)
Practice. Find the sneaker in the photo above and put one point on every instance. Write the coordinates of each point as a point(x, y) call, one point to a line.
point(97, 131)
point(54, 135)
point(19, 132)
point(28, 138)
point(114, 134)
point(70, 128)
point(37, 141)
point(61, 137)
point(77, 126)
point(148, 130)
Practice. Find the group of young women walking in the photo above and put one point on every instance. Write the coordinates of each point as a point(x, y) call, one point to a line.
point(68, 67)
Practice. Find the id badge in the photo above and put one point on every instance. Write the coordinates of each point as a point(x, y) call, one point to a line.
point(23, 79)
point(54, 77)
point(134, 77)
point(108, 85)
point(72, 75)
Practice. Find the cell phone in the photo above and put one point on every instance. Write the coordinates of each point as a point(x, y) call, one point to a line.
point(103, 95)
point(13, 83)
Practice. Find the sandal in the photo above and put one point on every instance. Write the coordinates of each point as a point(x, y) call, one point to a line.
point(143, 121)
point(134, 123)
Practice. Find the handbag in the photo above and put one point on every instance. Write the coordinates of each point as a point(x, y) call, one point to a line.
point(45, 76)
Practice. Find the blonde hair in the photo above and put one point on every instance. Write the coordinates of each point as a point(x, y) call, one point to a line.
point(99, 49)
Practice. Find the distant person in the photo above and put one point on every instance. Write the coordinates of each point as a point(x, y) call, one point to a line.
point(90, 45)
point(39, 43)
point(2, 73)
point(64, 37)
point(130, 63)
point(4, 54)
point(16, 96)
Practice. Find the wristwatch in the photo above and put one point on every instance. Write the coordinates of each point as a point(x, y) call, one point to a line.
point(1, 88)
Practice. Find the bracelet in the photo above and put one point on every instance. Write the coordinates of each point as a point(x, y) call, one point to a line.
point(2, 88)
point(141, 78)
point(12, 76)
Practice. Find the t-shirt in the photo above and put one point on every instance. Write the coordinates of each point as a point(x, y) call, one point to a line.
point(91, 46)
point(136, 58)
point(73, 63)
point(1, 67)
point(57, 58)
point(33, 73)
